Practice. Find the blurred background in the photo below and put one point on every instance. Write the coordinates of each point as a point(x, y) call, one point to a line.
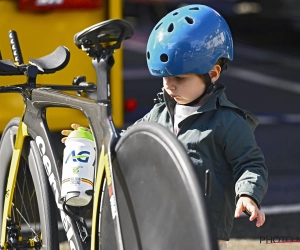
point(263, 78)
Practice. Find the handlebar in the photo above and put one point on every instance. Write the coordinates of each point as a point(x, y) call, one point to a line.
point(15, 47)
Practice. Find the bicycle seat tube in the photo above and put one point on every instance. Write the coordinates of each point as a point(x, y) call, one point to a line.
point(102, 68)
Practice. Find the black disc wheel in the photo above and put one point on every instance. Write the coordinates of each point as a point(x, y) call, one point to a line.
point(160, 202)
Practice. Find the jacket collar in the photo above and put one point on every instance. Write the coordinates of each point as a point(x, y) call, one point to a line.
point(218, 98)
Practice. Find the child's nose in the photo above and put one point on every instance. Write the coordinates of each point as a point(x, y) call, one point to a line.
point(169, 84)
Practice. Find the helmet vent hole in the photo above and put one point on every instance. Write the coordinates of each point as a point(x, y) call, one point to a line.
point(148, 55)
point(158, 26)
point(171, 27)
point(189, 20)
point(194, 8)
point(175, 14)
point(164, 57)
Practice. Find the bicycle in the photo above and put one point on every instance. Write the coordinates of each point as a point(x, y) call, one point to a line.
point(131, 185)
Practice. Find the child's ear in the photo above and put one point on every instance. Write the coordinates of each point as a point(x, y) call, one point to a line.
point(214, 73)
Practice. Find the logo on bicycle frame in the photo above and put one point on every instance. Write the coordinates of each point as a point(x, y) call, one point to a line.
point(82, 156)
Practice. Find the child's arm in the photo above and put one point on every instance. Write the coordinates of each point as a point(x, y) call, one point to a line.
point(249, 170)
point(245, 203)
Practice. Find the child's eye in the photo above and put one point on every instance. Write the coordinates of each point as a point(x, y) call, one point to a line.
point(179, 78)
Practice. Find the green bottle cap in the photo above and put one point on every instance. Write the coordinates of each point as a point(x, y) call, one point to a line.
point(81, 132)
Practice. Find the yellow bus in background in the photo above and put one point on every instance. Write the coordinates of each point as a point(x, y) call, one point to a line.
point(40, 32)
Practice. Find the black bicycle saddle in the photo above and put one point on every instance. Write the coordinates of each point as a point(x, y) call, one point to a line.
point(115, 30)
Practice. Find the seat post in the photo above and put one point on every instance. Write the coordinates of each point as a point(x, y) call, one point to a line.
point(102, 68)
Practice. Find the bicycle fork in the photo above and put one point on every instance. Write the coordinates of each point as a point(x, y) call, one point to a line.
point(10, 231)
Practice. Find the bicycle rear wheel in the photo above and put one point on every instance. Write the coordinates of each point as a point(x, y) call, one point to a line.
point(161, 204)
point(33, 214)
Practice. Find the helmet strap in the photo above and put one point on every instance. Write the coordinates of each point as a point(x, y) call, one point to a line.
point(209, 87)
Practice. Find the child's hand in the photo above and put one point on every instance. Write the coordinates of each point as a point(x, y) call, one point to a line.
point(67, 132)
point(246, 203)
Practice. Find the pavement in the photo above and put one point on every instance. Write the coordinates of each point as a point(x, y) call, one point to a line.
point(238, 244)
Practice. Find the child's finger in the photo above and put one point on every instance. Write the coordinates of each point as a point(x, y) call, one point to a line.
point(75, 126)
point(260, 219)
point(238, 209)
point(66, 132)
point(253, 214)
point(63, 140)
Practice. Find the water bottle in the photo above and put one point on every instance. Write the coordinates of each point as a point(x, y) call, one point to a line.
point(78, 168)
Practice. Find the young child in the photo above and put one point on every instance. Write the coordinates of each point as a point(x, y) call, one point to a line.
point(189, 48)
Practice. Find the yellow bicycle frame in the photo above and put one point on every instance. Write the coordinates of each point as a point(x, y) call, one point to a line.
point(102, 165)
point(12, 176)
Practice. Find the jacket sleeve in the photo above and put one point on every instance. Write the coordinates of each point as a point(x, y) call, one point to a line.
point(247, 161)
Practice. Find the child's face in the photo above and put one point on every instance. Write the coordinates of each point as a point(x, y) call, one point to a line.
point(184, 88)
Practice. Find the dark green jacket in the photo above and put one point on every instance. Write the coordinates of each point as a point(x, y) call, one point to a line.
point(220, 137)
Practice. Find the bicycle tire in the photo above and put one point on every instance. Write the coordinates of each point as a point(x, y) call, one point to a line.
point(161, 204)
point(39, 208)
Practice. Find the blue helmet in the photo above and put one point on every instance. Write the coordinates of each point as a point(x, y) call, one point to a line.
point(189, 39)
